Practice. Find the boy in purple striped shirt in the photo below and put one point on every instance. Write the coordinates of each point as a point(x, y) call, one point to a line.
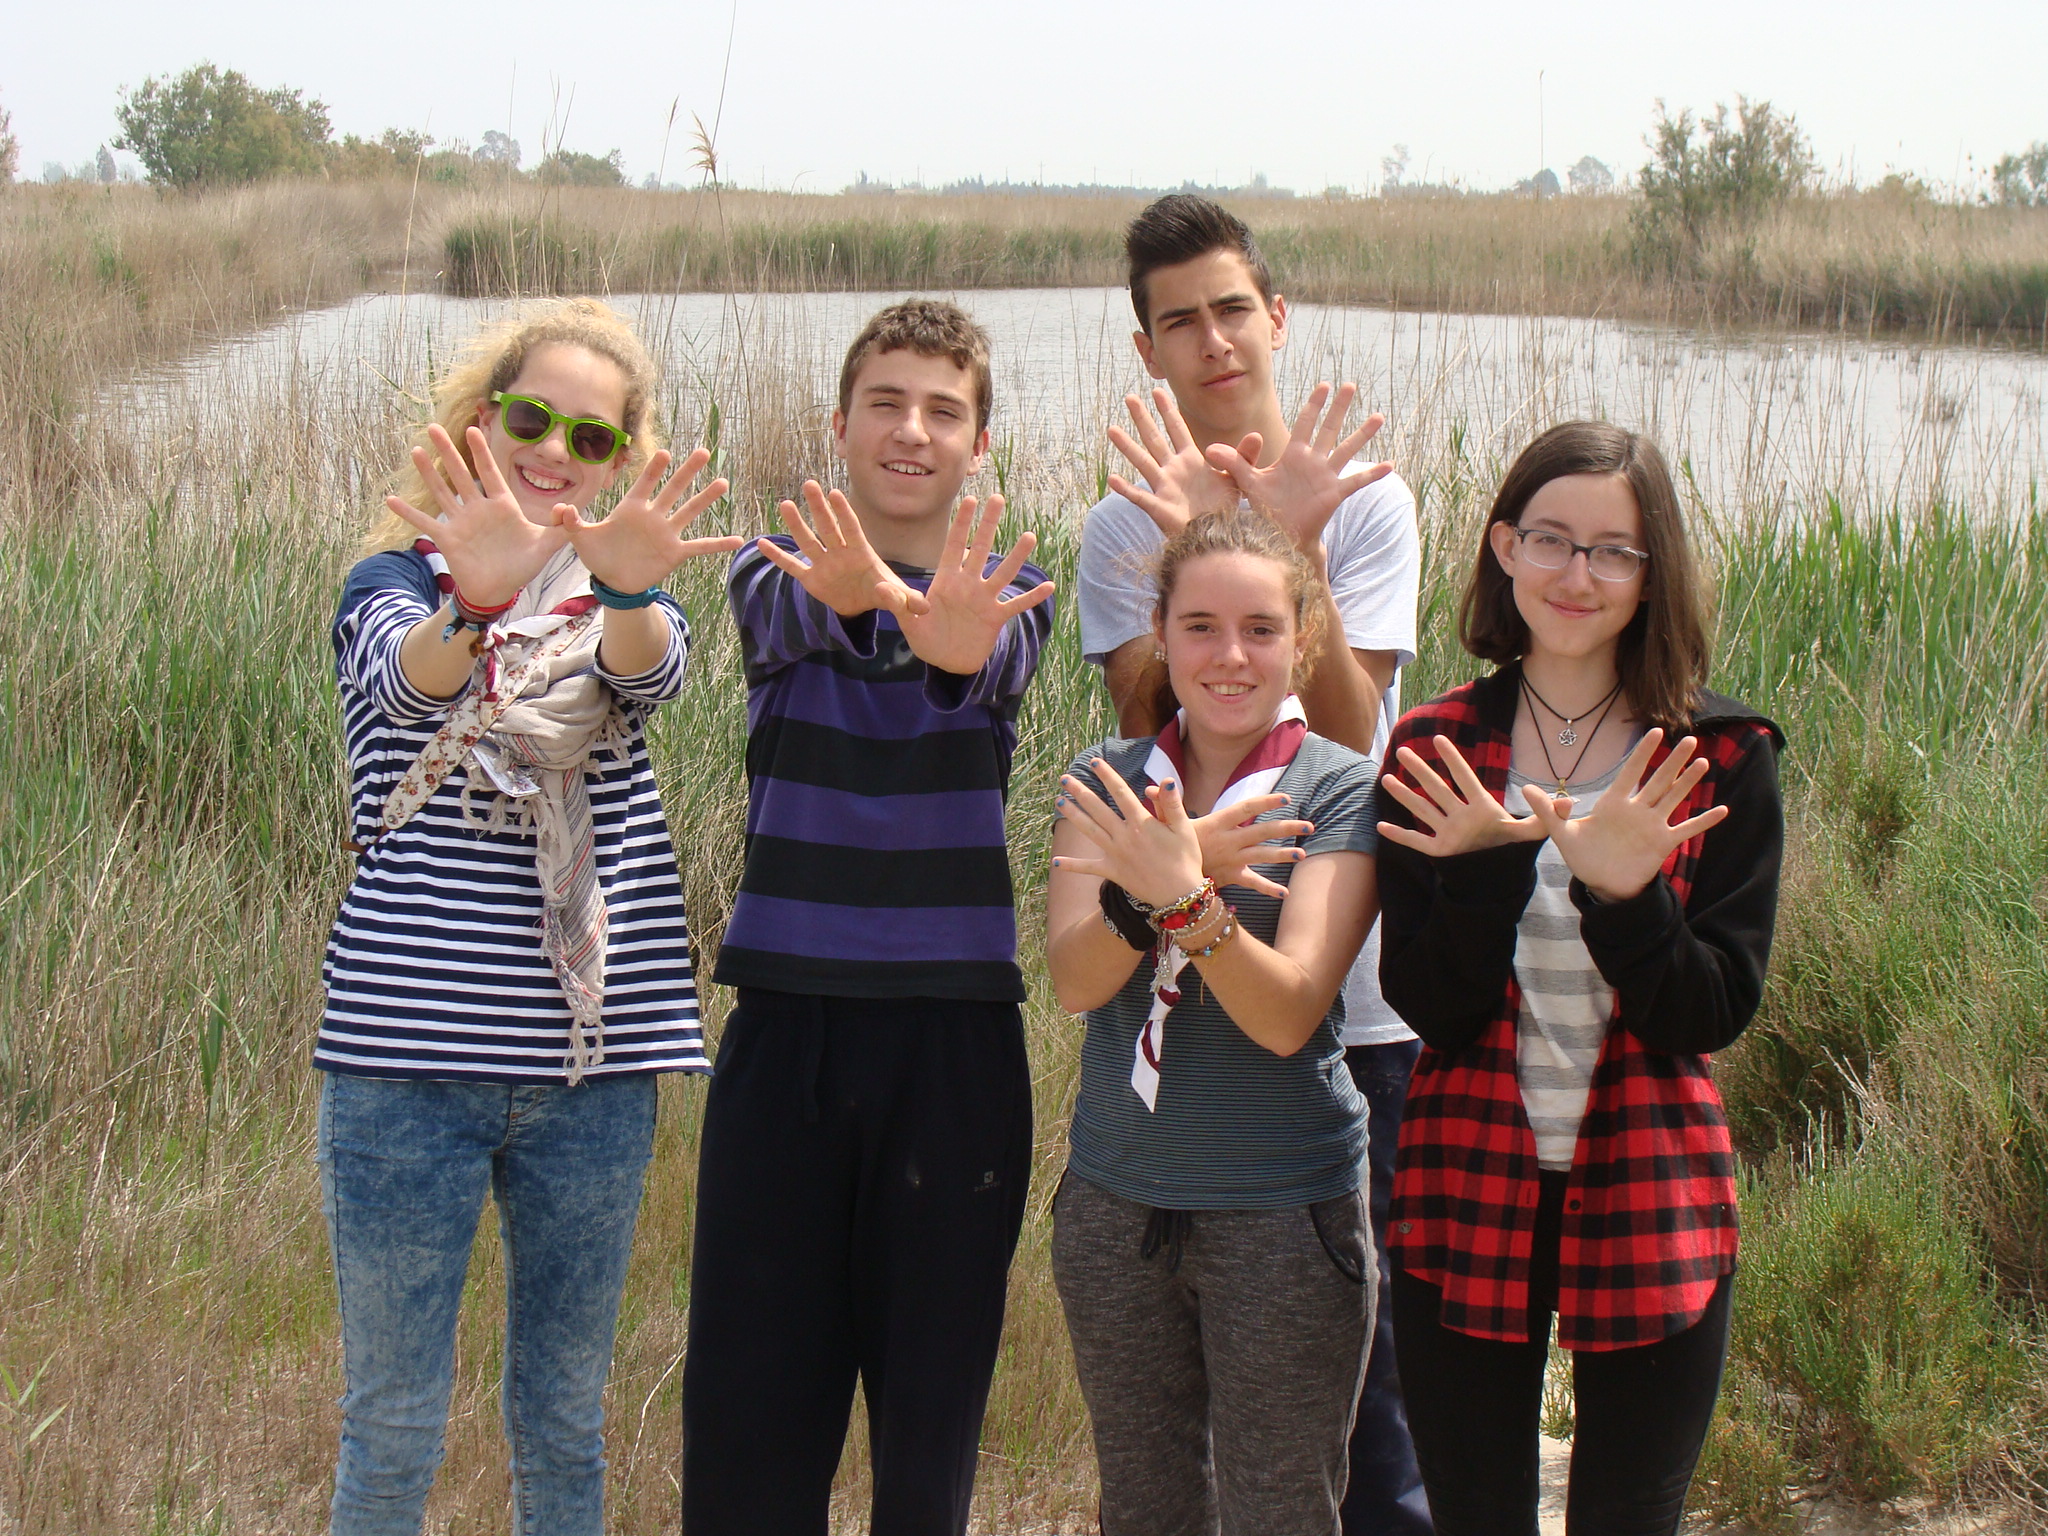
point(867, 1136)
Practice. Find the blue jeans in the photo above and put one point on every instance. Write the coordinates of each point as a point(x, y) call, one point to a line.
point(1386, 1497)
point(404, 1169)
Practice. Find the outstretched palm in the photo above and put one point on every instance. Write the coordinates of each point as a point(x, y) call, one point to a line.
point(1306, 484)
point(1455, 816)
point(1617, 847)
point(953, 625)
point(1233, 842)
point(833, 561)
point(492, 548)
point(1153, 851)
point(642, 541)
point(1179, 483)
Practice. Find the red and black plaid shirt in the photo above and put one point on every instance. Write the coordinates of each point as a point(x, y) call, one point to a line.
point(1649, 1222)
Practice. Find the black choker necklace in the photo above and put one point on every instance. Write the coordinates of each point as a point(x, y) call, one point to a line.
point(1567, 736)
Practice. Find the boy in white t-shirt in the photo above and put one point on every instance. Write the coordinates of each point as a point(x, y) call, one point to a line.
point(1210, 325)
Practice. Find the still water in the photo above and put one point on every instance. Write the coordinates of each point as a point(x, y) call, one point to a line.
point(1763, 424)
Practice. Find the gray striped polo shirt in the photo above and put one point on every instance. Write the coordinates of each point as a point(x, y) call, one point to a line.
point(1237, 1127)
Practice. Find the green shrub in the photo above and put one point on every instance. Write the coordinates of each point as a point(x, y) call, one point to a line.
point(1747, 1474)
point(209, 126)
point(572, 168)
point(2022, 180)
point(1706, 173)
point(1862, 1300)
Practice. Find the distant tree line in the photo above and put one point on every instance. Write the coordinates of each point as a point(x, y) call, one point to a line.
point(211, 126)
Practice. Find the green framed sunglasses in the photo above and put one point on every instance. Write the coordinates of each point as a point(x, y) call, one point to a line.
point(527, 420)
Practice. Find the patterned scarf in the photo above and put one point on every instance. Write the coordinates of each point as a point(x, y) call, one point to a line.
point(1256, 775)
point(534, 719)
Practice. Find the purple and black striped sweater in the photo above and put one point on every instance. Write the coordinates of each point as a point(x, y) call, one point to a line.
point(875, 858)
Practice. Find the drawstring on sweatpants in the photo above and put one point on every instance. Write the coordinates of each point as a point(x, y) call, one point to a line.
point(1168, 1230)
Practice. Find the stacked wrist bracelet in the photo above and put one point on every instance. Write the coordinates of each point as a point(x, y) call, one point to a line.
point(612, 597)
point(1208, 933)
point(468, 615)
point(1198, 925)
point(1176, 916)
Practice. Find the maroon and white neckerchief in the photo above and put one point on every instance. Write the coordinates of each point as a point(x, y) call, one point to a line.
point(1256, 775)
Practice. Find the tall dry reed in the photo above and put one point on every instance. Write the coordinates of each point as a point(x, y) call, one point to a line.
point(1864, 262)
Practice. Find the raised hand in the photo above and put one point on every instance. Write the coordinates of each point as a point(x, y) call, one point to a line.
point(1155, 854)
point(953, 624)
point(1179, 484)
point(492, 548)
point(1456, 817)
point(642, 541)
point(1617, 847)
point(834, 561)
point(1306, 484)
point(1230, 844)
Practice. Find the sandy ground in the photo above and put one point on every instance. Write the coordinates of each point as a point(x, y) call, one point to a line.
point(1821, 1518)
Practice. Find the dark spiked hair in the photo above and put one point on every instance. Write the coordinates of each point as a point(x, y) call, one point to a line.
point(1179, 227)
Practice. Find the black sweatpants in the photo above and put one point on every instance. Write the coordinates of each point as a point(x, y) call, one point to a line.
point(1641, 1414)
point(860, 1188)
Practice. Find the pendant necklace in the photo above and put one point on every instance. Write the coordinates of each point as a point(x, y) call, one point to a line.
point(1567, 736)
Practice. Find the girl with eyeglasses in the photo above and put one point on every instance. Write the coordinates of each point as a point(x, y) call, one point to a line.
point(510, 968)
point(1578, 878)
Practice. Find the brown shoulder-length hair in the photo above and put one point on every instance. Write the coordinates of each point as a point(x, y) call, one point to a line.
point(1668, 646)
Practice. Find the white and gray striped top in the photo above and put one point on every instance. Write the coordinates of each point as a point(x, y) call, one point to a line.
point(435, 967)
point(1566, 1002)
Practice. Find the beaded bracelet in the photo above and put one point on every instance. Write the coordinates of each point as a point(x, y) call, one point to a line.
point(612, 597)
point(1184, 939)
point(1183, 913)
point(1229, 931)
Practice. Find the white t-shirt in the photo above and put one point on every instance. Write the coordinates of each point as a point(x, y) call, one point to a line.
point(1375, 562)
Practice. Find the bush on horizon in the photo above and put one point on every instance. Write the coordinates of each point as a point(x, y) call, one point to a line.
point(210, 126)
point(1708, 173)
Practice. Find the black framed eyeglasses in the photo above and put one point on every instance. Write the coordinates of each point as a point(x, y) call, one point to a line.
point(1553, 552)
point(590, 438)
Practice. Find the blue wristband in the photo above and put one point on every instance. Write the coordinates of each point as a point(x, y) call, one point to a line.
point(611, 597)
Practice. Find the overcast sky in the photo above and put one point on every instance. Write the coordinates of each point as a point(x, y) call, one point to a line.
point(1310, 94)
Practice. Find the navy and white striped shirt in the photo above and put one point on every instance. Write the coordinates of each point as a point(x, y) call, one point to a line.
point(435, 967)
point(876, 861)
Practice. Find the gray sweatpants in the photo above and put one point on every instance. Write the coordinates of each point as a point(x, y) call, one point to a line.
point(1222, 1372)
